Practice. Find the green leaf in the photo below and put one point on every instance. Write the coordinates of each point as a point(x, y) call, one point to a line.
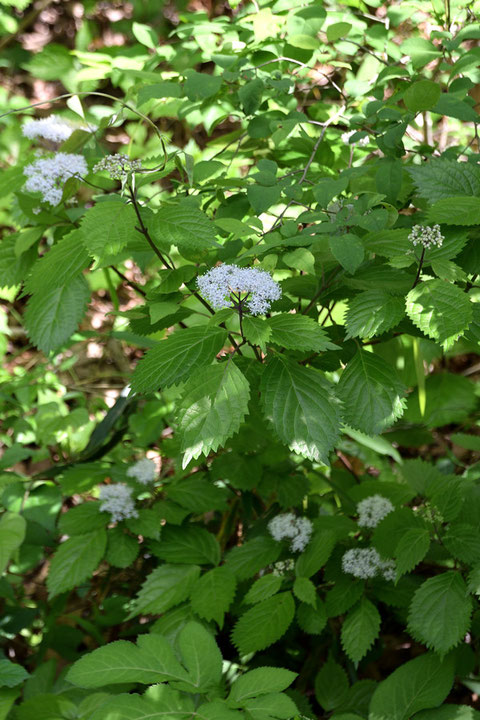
point(165, 587)
point(464, 440)
point(463, 541)
point(174, 359)
point(371, 393)
point(298, 332)
point(441, 178)
point(449, 400)
point(440, 310)
point(440, 611)
point(107, 227)
point(212, 409)
point(198, 494)
point(331, 685)
point(82, 518)
point(260, 681)
point(452, 106)
point(247, 559)
point(300, 404)
point(449, 712)
point(261, 198)
point(316, 554)
point(46, 707)
point(13, 269)
point(372, 313)
point(136, 707)
point(337, 30)
point(458, 210)
point(250, 96)
point(152, 660)
point(348, 250)
point(75, 561)
point(312, 620)
point(213, 594)
point(422, 95)
point(145, 35)
point(360, 629)
point(188, 544)
point(201, 656)
point(53, 313)
point(257, 331)
point(416, 685)
point(264, 623)
point(12, 534)
point(122, 549)
point(199, 86)
point(263, 588)
point(305, 590)
point(12, 674)
point(274, 705)
point(185, 226)
point(411, 549)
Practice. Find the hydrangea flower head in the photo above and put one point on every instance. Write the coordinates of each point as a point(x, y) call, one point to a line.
point(373, 509)
point(118, 166)
point(143, 471)
point(117, 500)
point(223, 287)
point(426, 236)
point(287, 525)
point(366, 563)
point(49, 175)
point(347, 135)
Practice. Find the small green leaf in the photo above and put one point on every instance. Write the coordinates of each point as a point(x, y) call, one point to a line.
point(263, 588)
point(348, 250)
point(213, 594)
point(260, 681)
point(422, 95)
point(337, 31)
point(305, 590)
point(360, 629)
point(12, 534)
point(298, 332)
point(411, 549)
point(75, 561)
point(264, 623)
point(165, 587)
point(440, 310)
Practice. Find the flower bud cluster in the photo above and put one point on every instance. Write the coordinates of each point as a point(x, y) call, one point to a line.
point(287, 525)
point(49, 175)
point(143, 471)
point(426, 236)
point(363, 142)
point(283, 567)
point(118, 166)
point(117, 500)
point(373, 509)
point(366, 563)
point(258, 288)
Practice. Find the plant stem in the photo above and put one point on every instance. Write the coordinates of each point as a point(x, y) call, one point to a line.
point(420, 264)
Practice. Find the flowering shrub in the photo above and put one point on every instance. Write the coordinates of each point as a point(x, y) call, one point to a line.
point(252, 263)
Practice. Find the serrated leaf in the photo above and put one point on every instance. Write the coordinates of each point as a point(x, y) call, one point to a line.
point(440, 611)
point(212, 408)
point(165, 587)
point(247, 559)
point(371, 393)
point(459, 210)
point(122, 549)
point(441, 178)
point(342, 596)
point(463, 541)
point(257, 331)
point(12, 533)
point(298, 332)
point(372, 313)
point(260, 681)
point(274, 705)
point(65, 260)
point(416, 685)
point(75, 561)
point(264, 623)
point(152, 660)
point(411, 549)
point(300, 404)
point(360, 629)
point(213, 594)
point(188, 544)
point(107, 227)
point(263, 588)
point(184, 225)
point(53, 314)
point(201, 656)
point(348, 250)
point(304, 590)
point(13, 269)
point(440, 310)
point(173, 360)
point(82, 518)
point(316, 554)
point(331, 685)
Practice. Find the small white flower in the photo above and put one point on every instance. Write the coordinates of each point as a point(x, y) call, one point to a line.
point(366, 563)
point(51, 128)
point(143, 471)
point(117, 500)
point(282, 567)
point(224, 286)
point(363, 142)
point(49, 175)
point(287, 525)
point(373, 509)
point(118, 166)
point(426, 236)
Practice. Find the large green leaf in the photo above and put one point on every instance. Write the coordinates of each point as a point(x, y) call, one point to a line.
point(184, 225)
point(12, 534)
point(65, 260)
point(259, 681)
point(107, 227)
point(152, 660)
point(440, 612)
point(173, 706)
point(247, 559)
point(458, 210)
point(302, 408)
point(371, 393)
point(411, 549)
point(360, 629)
point(213, 594)
point(416, 685)
point(441, 178)
point(188, 544)
point(212, 408)
point(165, 587)
point(264, 623)
point(75, 561)
point(13, 269)
point(201, 656)
point(440, 310)
point(298, 332)
point(53, 313)
point(174, 359)
point(11, 674)
point(372, 313)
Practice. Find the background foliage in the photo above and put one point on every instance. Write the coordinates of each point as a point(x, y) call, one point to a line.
point(305, 140)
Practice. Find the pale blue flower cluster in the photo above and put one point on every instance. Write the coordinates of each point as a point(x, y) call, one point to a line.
point(226, 285)
point(296, 529)
point(373, 509)
point(49, 175)
point(366, 563)
point(117, 500)
point(143, 471)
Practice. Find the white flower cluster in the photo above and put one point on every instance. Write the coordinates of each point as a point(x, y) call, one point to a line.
point(49, 175)
point(363, 142)
point(220, 283)
point(143, 471)
point(373, 509)
point(282, 567)
point(287, 525)
point(426, 236)
point(52, 128)
point(117, 500)
point(366, 563)
point(118, 166)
